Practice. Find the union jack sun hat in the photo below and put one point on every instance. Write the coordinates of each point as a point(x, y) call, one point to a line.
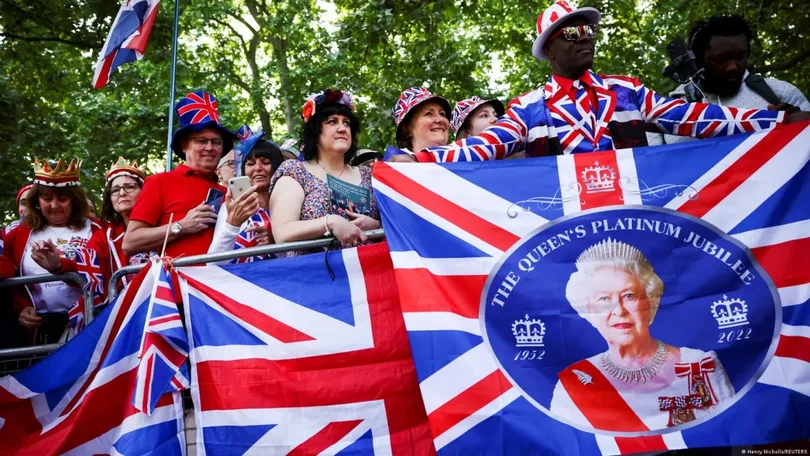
point(553, 16)
point(198, 111)
point(413, 97)
point(466, 107)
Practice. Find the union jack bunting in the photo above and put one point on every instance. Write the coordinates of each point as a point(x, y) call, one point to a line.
point(128, 37)
point(198, 107)
point(285, 363)
point(482, 256)
point(246, 239)
point(550, 112)
point(77, 401)
point(164, 351)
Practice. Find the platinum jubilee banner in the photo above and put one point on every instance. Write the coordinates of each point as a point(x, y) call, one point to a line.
point(612, 302)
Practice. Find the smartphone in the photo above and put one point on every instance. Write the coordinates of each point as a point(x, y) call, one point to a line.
point(238, 185)
point(214, 199)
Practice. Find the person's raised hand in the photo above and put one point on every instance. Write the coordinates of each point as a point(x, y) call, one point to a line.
point(198, 219)
point(801, 116)
point(45, 254)
point(264, 235)
point(402, 158)
point(243, 207)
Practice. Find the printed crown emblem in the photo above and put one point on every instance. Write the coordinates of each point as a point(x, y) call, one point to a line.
point(730, 312)
point(59, 176)
point(528, 332)
point(598, 178)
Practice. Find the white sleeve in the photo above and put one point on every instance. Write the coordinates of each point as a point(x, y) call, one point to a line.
point(789, 93)
point(224, 234)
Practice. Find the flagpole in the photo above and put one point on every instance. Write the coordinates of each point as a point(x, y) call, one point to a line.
point(171, 96)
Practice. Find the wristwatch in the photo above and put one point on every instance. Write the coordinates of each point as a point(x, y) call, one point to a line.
point(176, 228)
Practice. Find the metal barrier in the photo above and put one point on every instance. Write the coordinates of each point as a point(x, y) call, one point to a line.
point(232, 255)
point(22, 353)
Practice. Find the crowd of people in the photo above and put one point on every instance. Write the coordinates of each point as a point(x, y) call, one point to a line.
point(240, 189)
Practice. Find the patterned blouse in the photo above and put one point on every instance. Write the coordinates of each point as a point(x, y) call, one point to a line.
point(317, 202)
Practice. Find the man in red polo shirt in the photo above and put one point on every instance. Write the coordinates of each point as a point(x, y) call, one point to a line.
point(179, 195)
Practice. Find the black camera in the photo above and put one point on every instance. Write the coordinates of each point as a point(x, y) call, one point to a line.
point(683, 69)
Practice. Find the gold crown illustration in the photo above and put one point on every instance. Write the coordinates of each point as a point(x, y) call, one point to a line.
point(60, 176)
point(123, 167)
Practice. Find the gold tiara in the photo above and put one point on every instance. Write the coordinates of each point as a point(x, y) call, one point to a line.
point(60, 176)
point(122, 166)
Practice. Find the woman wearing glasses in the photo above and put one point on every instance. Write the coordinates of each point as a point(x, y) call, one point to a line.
point(104, 254)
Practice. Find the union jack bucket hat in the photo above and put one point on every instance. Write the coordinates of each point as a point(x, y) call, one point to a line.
point(553, 16)
point(466, 107)
point(411, 98)
point(198, 111)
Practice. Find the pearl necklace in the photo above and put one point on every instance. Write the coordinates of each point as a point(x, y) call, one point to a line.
point(643, 373)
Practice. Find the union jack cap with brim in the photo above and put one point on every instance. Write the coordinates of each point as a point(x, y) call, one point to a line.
point(466, 107)
point(553, 16)
point(198, 111)
point(413, 97)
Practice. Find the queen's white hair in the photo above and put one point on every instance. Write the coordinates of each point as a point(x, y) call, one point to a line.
point(612, 254)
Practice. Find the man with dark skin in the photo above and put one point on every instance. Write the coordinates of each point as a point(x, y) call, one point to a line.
point(578, 110)
point(722, 46)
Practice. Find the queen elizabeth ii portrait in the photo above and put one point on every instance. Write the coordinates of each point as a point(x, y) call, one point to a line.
point(639, 383)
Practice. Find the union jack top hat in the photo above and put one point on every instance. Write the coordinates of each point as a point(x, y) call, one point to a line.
point(411, 98)
point(198, 111)
point(553, 16)
point(466, 107)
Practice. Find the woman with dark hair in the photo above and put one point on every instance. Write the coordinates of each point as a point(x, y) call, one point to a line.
point(247, 224)
point(324, 195)
point(422, 119)
point(56, 220)
point(103, 254)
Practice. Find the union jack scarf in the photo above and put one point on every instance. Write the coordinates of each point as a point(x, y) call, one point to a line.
point(246, 239)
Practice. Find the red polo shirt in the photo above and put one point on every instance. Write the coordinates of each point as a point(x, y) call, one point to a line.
point(176, 192)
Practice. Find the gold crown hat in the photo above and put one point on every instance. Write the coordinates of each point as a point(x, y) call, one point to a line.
point(123, 167)
point(60, 176)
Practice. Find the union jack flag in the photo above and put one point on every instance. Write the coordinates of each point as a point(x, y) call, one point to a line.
point(198, 107)
point(78, 399)
point(246, 239)
point(301, 364)
point(76, 316)
point(448, 225)
point(128, 38)
point(244, 132)
point(88, 266)
point(550, 112)
point(164, 351)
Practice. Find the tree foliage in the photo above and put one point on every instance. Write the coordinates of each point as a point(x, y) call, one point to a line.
point(262, 57)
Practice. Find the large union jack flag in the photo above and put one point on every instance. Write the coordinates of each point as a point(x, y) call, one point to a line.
point(448, 225)
point(287, 361)
point(77, 401)
point(128, 38)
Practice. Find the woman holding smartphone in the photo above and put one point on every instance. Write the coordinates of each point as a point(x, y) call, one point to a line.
point(244, 220)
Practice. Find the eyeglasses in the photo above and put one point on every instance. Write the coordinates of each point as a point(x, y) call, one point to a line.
point(228, 163)
point(200, 141)
point(575, 32)
point(126, 188)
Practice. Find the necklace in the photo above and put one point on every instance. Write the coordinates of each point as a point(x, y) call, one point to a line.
point(643, 373)
point(327, 172)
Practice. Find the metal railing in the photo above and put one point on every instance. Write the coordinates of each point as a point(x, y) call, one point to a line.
point(112, 287)
point(73, 277)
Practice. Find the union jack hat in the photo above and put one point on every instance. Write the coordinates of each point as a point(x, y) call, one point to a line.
point(412, 98)
point(198, 111)
point(466, 107)
point(553, 16)
point(247, 140)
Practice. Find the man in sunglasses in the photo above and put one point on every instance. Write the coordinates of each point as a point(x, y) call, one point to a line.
point(578, 110)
